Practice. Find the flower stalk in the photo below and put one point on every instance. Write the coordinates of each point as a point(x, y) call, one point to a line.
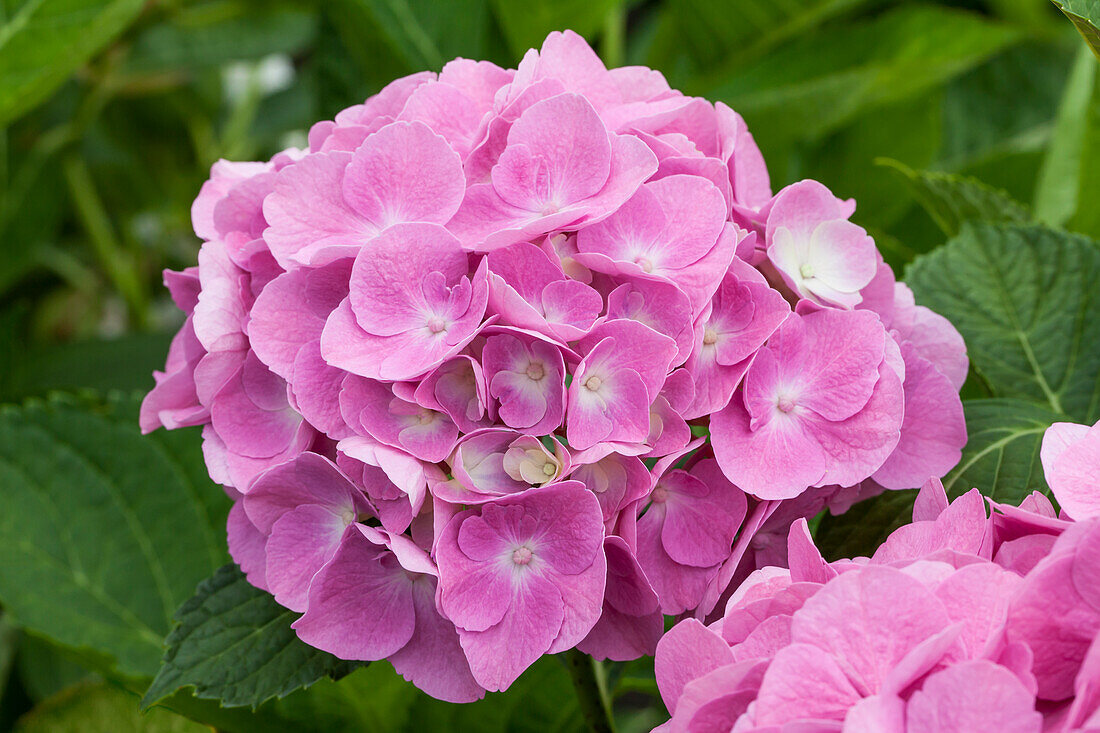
point(590, 682)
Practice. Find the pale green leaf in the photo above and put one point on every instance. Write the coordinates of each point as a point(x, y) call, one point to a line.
point(1085, 16)
point(1086, 218)
point(100, 708)
point(45, 40)
point(1056, 196)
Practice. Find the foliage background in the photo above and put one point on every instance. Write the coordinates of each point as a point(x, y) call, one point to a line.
point(112, 111)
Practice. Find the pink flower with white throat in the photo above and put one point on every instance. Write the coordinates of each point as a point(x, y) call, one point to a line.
point(820, 254)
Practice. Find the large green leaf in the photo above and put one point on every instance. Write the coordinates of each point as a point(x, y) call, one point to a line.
point(1025, 299)
point(234, 644)
point(952, 199)
point(100, 708)
point(44, 40)
point(1002, 451)
point(104, 533)
point(1085, 16)
point(819, 83)
point(1026, 302)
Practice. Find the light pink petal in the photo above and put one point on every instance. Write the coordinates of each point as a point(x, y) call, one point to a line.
point(805, 560)
point(931, 501)
point(567, 144)
point(715, 701)
point(404, 173)
point(309, 222)
point(933, 430)
point(1072, 472)
point(779, 461)
point(390, 288)
point(868, 621)
point(803, 681)
point(291, 311)
point(973, 695)
point(687, 652)
point(978, 596)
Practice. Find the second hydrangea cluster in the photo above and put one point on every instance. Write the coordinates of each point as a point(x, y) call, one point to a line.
point(509, 362)
point(958, 622)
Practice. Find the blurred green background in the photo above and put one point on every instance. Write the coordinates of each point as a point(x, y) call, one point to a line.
point(111, 113)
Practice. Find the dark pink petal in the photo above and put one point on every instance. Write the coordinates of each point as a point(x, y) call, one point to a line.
point(300, 543)
point(246, 546)
point(360, 606)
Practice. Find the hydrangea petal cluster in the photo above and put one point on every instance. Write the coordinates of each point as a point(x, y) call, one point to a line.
point(457, 362)
point(959, 622)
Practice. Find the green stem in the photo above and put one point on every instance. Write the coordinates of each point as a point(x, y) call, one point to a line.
point(117, 263)
point(590, 683)
point(613, 41)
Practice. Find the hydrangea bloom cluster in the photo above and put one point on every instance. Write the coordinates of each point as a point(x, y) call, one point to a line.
point(959, 622)
point(457, 364)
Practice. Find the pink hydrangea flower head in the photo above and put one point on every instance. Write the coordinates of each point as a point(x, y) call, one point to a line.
point(515, 361)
